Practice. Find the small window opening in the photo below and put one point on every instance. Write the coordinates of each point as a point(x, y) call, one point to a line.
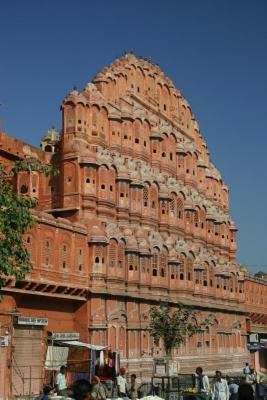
point(103, 187)
point(136, 140)
point(111, 188)
point(23, 189)
point(88, 180)
point(154, 272)
point(97, 260)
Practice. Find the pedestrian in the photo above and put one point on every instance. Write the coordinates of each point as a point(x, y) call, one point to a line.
point(81, 390)
point(132, 388)
point(46, 391)
point(122, 383)
point(233, 389)
point(61, 382)
point(220, 389)
point(246, 369)
point(98, 391)
point(255, 379)
point(202, 383)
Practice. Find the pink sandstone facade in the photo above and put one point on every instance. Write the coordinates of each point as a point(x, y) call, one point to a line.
point(138, 214)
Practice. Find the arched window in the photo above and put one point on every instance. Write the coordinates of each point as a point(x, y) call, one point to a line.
point(48, 148)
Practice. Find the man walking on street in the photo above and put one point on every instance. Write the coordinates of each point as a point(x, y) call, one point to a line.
point(220, 389)
point(202, 384)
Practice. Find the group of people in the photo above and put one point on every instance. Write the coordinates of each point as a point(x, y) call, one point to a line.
point(221, 389)
point(84, 390)
point(218, 389)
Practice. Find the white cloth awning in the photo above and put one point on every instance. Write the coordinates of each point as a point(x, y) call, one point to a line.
point(76, 343)
point(55, 357)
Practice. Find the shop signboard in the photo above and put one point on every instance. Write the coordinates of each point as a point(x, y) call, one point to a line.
point(160, 367)
point(65, 336)
point(36, 321)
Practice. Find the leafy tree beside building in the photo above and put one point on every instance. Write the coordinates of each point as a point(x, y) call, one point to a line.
point(16, 220)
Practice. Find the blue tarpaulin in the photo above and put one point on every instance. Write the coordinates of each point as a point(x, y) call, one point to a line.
point(256, 347)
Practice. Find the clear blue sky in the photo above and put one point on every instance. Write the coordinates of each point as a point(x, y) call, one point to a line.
point(214, 50)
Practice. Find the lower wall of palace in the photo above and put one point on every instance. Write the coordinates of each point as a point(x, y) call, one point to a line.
point(115, 322)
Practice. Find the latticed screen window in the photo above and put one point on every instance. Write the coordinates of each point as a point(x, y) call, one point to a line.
point(47, 249)
point(131, 262)
point(180, 207)
point(80, 260)
point(94, 119)
point(205, 277)
point(154, 200)
point(112, 253)
point(145, 197)
point(155, 260)
point(172, 206)
point(120, 256)
point(65, 256)
point(182, 271)
point(188, 216)
point(173, 272)
point(143, 262)
point(137, 133)
point(196, 219)
point(99, 255)
point(163, 264)
point(189, 265)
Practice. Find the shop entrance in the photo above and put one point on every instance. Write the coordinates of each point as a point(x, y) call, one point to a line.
point(27, 361)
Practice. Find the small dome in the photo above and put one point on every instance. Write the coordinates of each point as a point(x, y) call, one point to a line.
point(128, 232)
point(140, 234)
point(131, 244)
point(97, 234)
point(144, 247)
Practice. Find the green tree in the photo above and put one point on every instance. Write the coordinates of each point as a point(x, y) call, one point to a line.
point(16, 220)
point(173, 326)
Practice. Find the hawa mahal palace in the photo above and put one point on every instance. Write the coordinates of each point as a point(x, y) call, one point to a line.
point(138, 214)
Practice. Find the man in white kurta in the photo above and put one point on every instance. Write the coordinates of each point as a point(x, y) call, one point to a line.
point(220, 390)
